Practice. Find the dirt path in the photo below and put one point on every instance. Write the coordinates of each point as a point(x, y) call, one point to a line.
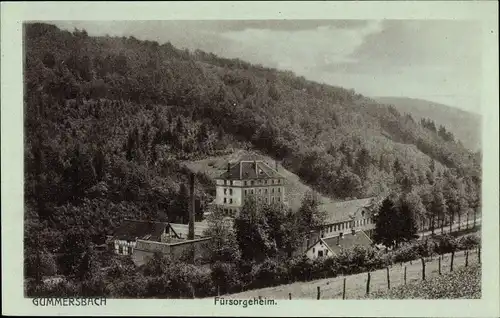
point(331, 288)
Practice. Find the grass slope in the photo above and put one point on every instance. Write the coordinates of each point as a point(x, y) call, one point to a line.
point(465, 282)
point(331, 288)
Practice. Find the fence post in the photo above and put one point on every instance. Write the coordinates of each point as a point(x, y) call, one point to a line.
point(405, 276)
point(439, 264)
point(319, 293)
point(388, 279)
point(451, 263)
point(466, 258)
point(423, 268)
point(479, 254)
point(290, 296)
point(343, 290)
point(368, 285)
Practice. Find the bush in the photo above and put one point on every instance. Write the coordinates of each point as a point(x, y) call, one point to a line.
point(62, 288)
point(43, 264)
point(445, 244)
point(359, 259)
point(225, 278)
point(300, 269)
point(469, 242)
point(133, 286)
point(269, 273)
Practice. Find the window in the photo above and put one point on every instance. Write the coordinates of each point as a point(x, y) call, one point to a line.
point(130, 250)
point(320, 253)
point(252, 191)
point(225, 191)
point(230, 191)
point(225, 200)
point(265, 191)
point(120, 249)
point(279, 189)
point(225, 182)
point(231, 182)
point(251, 182)
point(331, 228)
point(279, 199)
point(266, 200)
point(326, 252)
point(230, 200)
point(313, 250)
point(272, 190)
point(245, 182)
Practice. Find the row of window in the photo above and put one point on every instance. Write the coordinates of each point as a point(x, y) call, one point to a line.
point(278, 199)
point(261, 182)
point(230, 191)
point(260, 191)
point(124, 250)
point(320, 252)
point(346, 225)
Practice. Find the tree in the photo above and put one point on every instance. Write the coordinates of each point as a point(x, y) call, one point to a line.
point(309, 215)
point(223, 246)
point(386, 223)
point(252, 233)
point(89, 266)
point(438, 207)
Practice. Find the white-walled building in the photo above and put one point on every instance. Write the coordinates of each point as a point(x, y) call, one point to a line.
point(248, 178)
point(331, 246)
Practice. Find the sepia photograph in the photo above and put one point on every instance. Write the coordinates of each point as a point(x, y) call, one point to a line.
point(252, 161)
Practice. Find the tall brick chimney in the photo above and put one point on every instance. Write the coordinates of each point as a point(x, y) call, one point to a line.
point(191, 207)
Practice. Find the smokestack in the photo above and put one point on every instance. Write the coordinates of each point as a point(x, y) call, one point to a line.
point(191, 208)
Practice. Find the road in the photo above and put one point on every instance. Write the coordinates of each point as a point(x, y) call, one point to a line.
point(454, 228)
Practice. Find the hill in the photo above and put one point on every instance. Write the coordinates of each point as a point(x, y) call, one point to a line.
point(466, 126)
point(109, 122)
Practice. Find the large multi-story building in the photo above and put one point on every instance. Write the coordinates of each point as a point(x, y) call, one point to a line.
point(248, 178)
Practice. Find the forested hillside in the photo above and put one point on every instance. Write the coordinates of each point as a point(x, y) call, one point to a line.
point(108, 121)
point(466, 126)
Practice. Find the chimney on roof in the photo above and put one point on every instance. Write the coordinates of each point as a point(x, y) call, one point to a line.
point(191, 208)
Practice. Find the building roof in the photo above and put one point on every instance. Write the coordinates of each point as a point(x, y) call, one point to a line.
point(255, 169)
point(182, 229)
point(135, 229)
point(345, 210)
point(152, 246)
point(348, 240)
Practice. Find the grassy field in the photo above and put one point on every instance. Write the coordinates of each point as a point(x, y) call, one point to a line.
point(331, 288)
point(465, 282)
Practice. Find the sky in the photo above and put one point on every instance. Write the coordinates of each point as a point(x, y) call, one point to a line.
point(436, 60)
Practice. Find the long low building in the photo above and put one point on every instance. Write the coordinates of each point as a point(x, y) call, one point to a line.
point(141, 239)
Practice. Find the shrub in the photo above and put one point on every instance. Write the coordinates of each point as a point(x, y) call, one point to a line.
point(130, 286)
point(300, 269)
point(445, 244)
point(63, 288)
point(42, 264)
point(359, 259)
point(269, 273)
point(225, 277)
point(469, 242)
